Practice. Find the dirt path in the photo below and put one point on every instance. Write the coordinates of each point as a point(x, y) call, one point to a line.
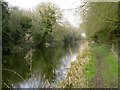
point(102, 66)
point(98, 81)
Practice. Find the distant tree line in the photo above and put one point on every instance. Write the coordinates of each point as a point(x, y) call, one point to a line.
point(40, 26)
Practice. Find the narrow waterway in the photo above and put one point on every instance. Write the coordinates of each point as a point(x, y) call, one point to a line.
point(39, 67)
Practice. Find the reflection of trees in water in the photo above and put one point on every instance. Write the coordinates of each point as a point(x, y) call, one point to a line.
point(47, 60)
point(15, 62)
point(44, 63)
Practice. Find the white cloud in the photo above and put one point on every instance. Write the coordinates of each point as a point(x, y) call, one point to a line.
point(63, 4)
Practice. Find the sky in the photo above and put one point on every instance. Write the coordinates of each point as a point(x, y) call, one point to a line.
point(63, 4)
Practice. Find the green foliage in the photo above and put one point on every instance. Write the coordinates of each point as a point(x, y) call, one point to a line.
point(100, 21)
point(19, 25)
point(14, 27)
point(26, 23)
point(44, 18)
point(47, 26)
point(63, 34)
point(6, 33)
point(42, 25)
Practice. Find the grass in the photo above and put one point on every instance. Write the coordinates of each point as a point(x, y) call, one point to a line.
point(109, 64)
point(90, 67)
point(81, 71)
point(85, 68)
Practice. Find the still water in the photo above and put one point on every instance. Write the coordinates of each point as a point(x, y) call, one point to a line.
point(32, 69)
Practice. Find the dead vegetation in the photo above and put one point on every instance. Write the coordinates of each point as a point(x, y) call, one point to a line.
point(75, 74)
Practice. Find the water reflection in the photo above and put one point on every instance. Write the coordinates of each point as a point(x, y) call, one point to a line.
point(47, 64)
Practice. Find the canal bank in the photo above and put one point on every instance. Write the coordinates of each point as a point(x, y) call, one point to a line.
point(95, 67)
point(86, 65)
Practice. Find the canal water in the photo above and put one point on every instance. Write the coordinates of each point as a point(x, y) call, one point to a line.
point(39, 67)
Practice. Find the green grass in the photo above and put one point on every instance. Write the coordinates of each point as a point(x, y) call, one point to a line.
point(109, 66)
point(90, 68)
point(110, 74)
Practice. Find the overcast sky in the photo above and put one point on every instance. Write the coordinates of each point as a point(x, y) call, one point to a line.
point(63, 4)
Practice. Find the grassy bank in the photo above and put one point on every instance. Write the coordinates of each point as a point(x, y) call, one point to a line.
point(95, 67)
point(107, 67)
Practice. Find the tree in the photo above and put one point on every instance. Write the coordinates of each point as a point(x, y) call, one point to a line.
point(45, 17)
point(19, 25)
point(14, 27)
point(6, 33)
point(100, 21)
